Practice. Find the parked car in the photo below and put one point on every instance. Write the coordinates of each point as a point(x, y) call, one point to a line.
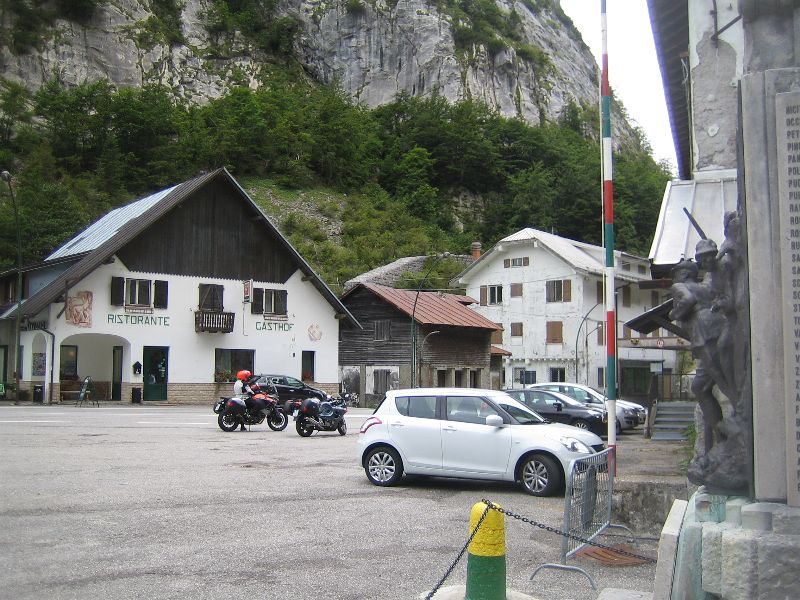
point(470, 433)
point(289, 388)
point(559, 408)
point(629, 414)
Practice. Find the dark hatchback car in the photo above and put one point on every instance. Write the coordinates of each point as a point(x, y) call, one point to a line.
point(559, 408)
point(289, 388)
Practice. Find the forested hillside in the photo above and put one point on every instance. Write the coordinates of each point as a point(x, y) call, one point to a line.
point(352, 187)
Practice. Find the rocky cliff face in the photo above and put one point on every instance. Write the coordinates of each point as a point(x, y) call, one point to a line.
point(373, 53)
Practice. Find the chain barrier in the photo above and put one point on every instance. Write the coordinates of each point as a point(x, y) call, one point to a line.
point(491, 506)
point(460, 554)
point(571, 536)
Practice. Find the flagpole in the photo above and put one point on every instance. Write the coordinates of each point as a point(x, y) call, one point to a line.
point(608, 236)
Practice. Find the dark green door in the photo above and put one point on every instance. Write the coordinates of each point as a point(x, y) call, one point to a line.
point(116, 373)
point(154, 370)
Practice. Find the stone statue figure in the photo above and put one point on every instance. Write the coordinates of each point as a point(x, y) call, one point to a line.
point(711, 311)
point(693, 306)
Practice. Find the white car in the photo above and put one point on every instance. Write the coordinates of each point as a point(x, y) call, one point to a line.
point(629, 414)
point(470, 433)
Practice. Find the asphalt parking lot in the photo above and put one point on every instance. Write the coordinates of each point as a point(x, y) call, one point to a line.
point(157, 502)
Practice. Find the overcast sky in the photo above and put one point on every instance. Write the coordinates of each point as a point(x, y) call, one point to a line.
point(633, 68)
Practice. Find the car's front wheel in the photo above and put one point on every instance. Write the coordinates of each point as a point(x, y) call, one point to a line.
point(580, 424)
point(383, 466)
point(540, 475)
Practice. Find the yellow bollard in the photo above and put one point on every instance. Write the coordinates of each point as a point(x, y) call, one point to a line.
point(486, 560)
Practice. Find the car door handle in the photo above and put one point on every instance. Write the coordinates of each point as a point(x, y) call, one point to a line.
point(449, 428)
point(398, 424)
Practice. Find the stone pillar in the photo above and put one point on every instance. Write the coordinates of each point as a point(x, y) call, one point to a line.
point(769, 95)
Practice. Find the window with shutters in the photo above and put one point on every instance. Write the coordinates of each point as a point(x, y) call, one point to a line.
point(491, 294)
point(381, 379)
point(626, 296)
point(558, 374)
point(654, 299)
point(272, 303)
point(555, 332)
point(383, 329)
point(522, 261)
point(599, 290)
point(601, 377)
point(601, 338)
point(211, 297)
point(139, 293)
point(516, 330)
point(497, 335)
point(516, 290)
point(559, 290)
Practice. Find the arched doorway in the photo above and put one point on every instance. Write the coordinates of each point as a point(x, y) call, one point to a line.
point(99, 356)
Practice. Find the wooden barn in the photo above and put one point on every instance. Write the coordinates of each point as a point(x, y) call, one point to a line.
point(412, 339)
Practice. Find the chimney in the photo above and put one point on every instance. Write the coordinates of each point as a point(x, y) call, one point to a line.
point(476, 250)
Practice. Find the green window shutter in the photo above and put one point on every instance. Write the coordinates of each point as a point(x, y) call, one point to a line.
point(117, 291)
point(257, 305)
point(160, 294)
point(281, 302)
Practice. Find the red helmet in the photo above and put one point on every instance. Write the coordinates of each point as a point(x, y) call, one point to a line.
point(244, 375)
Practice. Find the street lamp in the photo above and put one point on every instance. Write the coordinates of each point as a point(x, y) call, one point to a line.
point(577, 336)
point(422, 351)
point(6, 176)
point(437, 258)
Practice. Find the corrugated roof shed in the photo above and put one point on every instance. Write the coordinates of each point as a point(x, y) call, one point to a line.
point(432, 308)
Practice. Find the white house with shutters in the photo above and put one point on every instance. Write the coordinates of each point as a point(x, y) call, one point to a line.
point(547, 294)
point(165, 298)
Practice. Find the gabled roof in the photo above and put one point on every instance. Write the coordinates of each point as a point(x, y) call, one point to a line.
point(584, 258)
point(101, 240)
point(432, 308)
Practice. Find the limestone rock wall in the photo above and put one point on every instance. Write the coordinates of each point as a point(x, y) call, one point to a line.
point(373, 54)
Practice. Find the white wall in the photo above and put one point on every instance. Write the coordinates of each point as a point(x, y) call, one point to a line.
point(531, 352)
point(311, 325)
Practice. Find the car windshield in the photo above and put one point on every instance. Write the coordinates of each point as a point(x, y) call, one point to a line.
point(523, 416)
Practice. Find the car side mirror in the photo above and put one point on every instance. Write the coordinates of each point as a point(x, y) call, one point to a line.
point(494, 420)
point(558, 406)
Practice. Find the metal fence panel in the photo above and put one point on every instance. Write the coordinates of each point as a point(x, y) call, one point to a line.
point(587, 499)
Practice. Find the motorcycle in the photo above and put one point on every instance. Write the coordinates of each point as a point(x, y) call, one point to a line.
point(250, 410)
point(312, 415)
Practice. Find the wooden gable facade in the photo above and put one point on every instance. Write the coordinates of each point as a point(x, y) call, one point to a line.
point(213, 232)
point(447, 354)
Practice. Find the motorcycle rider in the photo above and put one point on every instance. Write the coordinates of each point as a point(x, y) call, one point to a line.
point(242, 388)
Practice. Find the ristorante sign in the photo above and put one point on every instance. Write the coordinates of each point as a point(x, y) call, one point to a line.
point(150, 320)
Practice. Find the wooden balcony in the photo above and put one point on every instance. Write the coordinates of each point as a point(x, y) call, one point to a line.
point(213, 322)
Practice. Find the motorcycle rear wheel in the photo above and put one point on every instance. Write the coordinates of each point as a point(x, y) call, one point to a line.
point(303, 428)
point(342, 429)
point(277, 421)
point(227, 421)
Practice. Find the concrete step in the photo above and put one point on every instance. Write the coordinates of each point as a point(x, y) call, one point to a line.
point(675, 421)
point(667, 436)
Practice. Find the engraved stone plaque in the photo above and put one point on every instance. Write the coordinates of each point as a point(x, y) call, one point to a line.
point(787, 114)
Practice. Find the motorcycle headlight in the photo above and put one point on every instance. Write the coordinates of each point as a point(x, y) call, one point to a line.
point(575, 445)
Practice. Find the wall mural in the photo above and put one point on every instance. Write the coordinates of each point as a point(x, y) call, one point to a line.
point(38, 364)
point(79, 309)
point(314, 332)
